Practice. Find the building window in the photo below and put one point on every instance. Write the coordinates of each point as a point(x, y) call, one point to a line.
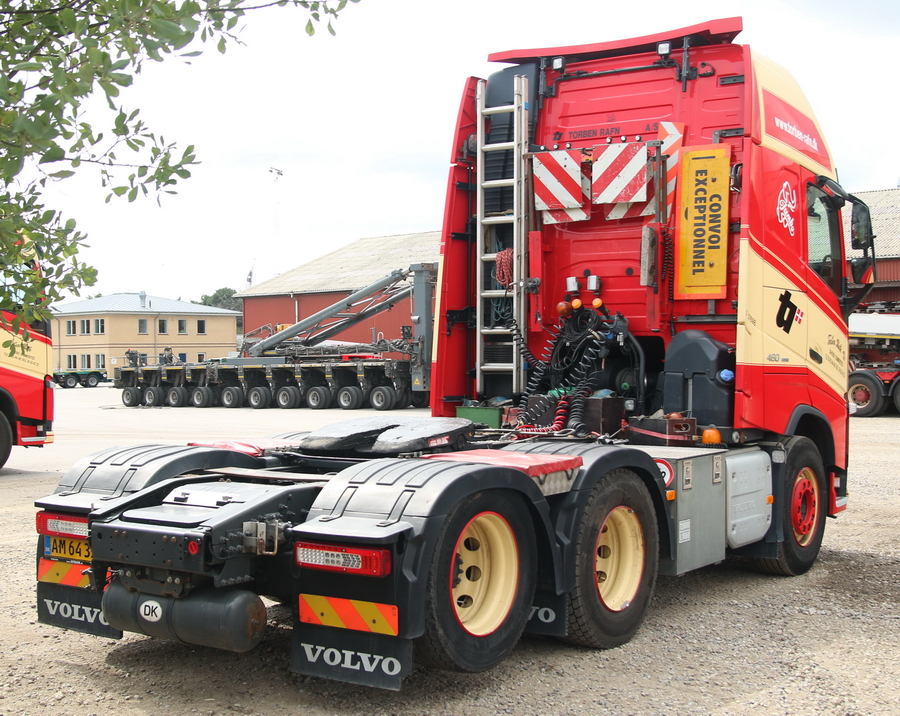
point(72, 360)
point(100, 361)
point(201, 357)
point(85, 326)
point(99, 326)
point(182, 326)
point(70, 328)
point(163, 326)
point(182, 357)
point(142, 326)
point(201, 327)
point(85, 361)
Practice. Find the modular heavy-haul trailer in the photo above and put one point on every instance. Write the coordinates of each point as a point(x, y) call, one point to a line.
point(875, 361)
point(294, 368)
point(642, 247)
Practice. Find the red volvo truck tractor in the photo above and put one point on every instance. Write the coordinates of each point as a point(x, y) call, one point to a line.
point(643, 252)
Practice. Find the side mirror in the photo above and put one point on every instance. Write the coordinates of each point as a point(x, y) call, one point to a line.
point(861, 227)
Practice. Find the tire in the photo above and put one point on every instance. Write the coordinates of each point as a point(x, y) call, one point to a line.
point(232, 396)
point(865, 392)
point(896, 394)
point(480, 584)
point(803, 511)
point(318, 397)
point(259, 397)
point(383, 397)
point(177, 397)
point(131, 396)
point(350, 397)
point(92, 381)
point(70, 381)
point(288, 397)
point(420, 398)
point(616, 563)
point(202, 396)
point(404, 398)
point(154, 396)
point(6, 439)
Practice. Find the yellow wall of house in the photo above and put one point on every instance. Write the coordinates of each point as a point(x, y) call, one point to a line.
point(121, 333)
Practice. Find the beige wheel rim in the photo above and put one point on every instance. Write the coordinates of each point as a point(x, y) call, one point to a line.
point(484, 574)
point(619, 560)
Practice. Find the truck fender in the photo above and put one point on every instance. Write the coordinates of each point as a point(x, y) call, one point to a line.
point(391, 500)
point(812, 423)
point(123, 470)
point(598, 460)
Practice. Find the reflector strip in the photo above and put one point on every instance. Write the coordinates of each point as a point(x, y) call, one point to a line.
point(66, 573)
point(349, 614)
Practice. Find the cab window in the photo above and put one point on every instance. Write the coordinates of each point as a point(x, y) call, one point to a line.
point(823, 237)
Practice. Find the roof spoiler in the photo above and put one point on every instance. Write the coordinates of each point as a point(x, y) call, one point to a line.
point(714, 32)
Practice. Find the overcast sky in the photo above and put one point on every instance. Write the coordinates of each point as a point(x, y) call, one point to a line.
point(359, 125)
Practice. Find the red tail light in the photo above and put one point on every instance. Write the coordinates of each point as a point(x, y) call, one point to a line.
point(62, 525)
point(335, 558)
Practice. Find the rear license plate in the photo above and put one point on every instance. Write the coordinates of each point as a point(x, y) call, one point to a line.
point(67, 548)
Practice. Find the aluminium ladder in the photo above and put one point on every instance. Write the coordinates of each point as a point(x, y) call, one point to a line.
point(496, 356)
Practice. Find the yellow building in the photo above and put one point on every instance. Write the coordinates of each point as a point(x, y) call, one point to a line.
point(94, 334)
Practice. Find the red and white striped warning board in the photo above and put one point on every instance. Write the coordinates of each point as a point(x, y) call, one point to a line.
point(562, 186)
point(557, 180)
point(633, 209)
point(619, 173)
point(671, 135)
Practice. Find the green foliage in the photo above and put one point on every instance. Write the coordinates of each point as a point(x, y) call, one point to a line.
point(222, 298)
point(54, 56)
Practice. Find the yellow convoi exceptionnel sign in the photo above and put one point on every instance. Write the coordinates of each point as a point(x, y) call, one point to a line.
point(702, 231)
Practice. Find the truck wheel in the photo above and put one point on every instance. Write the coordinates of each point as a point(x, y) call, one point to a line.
point(177, 397)
point(259, 397)
point(404, 398)
point(383, 397)
point(70, 381)
point(6, 439)
point(480, 585)
point(350, 397)
point(616, 561)
point(92, 381)
point(803, 511)
point(154, 395)
point(865, 391)
point(232, 396)
point(288, 396)
point(131, 396)
point(420, 398)
point(202, 396)
point(318, 397)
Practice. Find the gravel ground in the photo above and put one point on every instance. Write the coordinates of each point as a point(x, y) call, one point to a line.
point(722, 640)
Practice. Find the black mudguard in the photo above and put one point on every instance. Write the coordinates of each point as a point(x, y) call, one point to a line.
point(123, 470)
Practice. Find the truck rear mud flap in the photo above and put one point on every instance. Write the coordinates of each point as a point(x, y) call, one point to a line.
point(73, 608)
point(351, 656)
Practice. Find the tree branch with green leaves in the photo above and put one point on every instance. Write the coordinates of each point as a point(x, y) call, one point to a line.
point(54, 57)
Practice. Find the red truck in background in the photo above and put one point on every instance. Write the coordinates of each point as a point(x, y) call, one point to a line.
point(642, 249)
